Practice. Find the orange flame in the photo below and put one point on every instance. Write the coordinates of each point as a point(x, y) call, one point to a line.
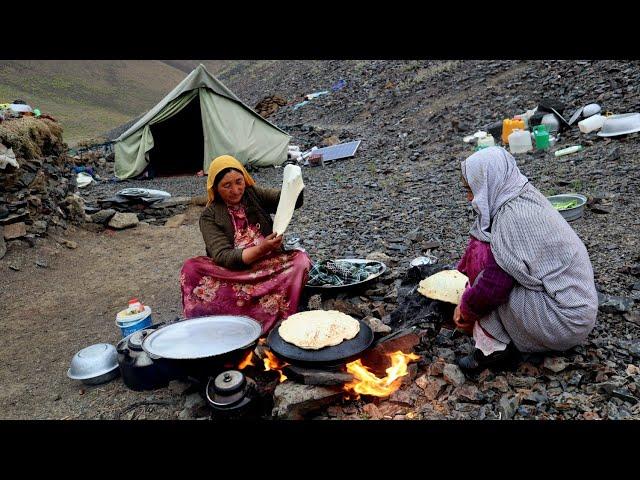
point(366, 383)
point(247, 361)
point(271, 362)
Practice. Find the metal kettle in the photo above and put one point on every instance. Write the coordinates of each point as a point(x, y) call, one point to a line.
point(139, 369)
point(231, 393)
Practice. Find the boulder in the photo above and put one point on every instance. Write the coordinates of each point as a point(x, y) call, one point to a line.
point(123, 220)
point(103, 216)
point(175, 221)
point(294, 401)
point(15, 230)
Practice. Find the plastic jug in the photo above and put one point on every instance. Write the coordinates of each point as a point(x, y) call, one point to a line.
point(486, 141)
point(592, 123)
point(508, 126)
point(541, 136)
point(520, 141)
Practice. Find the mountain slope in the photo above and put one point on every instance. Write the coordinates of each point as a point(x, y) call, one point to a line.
point(90, 97)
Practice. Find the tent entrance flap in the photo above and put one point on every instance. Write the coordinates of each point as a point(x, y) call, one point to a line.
point(178, 142)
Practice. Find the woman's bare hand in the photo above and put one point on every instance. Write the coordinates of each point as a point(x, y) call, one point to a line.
point(270, 243)
point(462, 324)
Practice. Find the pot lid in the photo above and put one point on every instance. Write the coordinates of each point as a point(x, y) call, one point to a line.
point(202, 337)
point(136, 339)
point(229, 382)
point(575, 116)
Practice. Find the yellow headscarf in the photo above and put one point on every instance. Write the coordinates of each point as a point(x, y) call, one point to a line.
point(217, 165)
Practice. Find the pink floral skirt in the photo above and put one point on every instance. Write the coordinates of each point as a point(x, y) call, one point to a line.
point(268, 291)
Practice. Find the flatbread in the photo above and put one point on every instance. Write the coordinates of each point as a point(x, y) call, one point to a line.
point(447, 286)
point(292, 185)
point(317, 329)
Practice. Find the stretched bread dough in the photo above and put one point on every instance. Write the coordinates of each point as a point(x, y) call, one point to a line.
point(292, 185)
point(447, 286)
point(318, 329)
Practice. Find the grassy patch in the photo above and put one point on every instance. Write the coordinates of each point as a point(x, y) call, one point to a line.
point(31, 137)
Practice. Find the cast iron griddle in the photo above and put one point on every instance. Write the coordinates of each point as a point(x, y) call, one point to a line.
point(326, 355)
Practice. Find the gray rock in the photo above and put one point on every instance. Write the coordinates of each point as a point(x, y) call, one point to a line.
point(194, 400)
point(175, 221)
point(508, 406)
point(453, 375)
point(294, 401)
point(185, 414)
point(15, 230)
point(75, 204)
point(376, 325)
point(555, 364)
point(69, 244)
point(431, 386)
point(39, 226)
point(468, 393)
point(446, 353)
point(613, 304)
point(13, 218)
point(103, 216)
point(380, 257)
point(403, 396)
point(3, 244)
point(123, 220)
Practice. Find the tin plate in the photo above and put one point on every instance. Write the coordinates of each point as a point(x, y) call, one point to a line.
point(202, 337)
point(361, 282)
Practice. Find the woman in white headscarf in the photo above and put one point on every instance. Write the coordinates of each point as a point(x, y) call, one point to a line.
point(531, 280)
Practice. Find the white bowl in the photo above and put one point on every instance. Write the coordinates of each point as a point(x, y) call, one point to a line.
point(620, 125)
point(95, 364)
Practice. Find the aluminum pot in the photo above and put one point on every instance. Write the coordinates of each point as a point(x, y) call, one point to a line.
point(203, 346)
point(95, 364)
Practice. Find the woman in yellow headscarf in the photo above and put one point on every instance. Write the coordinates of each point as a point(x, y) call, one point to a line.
point(245, 271)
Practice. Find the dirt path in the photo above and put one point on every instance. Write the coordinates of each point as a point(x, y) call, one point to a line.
point(48, 314)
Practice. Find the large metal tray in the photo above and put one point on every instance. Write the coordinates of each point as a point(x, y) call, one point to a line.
point(202, 337)
point(361, 282)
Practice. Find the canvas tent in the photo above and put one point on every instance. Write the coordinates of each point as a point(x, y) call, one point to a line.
point(197, 121)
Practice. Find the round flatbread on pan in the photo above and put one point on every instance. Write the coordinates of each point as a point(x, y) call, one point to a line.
point(318, 329)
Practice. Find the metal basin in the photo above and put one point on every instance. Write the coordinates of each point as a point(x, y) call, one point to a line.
point(620, 125)
point(356, 284)
point(570, 213)
point(95, 364)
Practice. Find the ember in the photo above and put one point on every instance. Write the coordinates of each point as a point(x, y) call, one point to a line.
point(271, 362)
point(248, 360)
point(366, 383)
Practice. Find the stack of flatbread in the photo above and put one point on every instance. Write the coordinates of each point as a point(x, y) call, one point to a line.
point(317, 329)
point(447, 286)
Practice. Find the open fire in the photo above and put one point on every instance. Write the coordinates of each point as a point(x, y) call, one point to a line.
point(248, 360)
point(271, 362)
point(366, 383)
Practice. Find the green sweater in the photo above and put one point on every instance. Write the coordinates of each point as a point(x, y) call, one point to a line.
point(217, 228)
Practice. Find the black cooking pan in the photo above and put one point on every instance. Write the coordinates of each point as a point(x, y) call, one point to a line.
point(344, 352)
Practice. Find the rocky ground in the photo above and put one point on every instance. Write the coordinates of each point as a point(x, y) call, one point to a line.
point(398, 198)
